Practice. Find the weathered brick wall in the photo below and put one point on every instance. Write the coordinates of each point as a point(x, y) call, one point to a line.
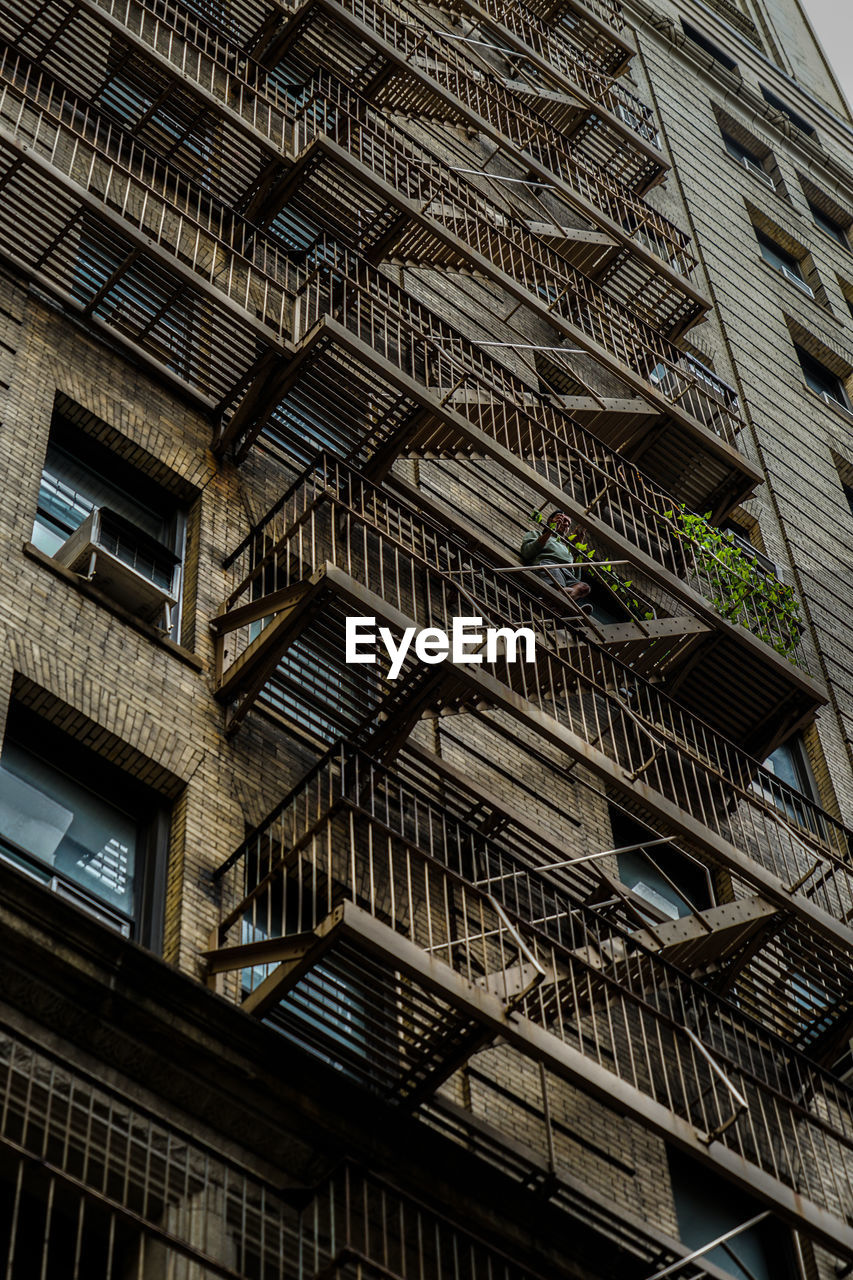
point(135, 700)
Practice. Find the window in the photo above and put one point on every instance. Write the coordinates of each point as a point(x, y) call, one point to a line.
point(698, 38)
point(748, 159)
point(707, 1206)
point(829, 225)
point(672, 884)
point(823, 381)
point(324, 1011)
point(795, 119)
point(79, 825)
point(789, 763)
point(114, 526)
point(791, 787)
point(739, 535)
point(783, 262)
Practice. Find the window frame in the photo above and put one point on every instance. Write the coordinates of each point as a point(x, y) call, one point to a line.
point(146, 809)
point(829, 225)
point(111, 472)
point(747, 159)
point(697, 37)
point(778, 104)
point(841, 401)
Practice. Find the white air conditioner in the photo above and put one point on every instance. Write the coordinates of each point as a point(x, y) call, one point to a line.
point(758, 170)
point(91, 552)
point(795, 279)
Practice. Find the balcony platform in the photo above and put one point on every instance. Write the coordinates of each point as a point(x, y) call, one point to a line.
point(410, 76)
point(429, 1010)
point(548, 57)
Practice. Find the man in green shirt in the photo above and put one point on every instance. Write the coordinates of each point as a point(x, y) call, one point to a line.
point(545, 548)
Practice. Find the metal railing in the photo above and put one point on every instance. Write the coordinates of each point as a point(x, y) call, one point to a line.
point(183, 219)
point(255, 117)
point(351, 831)
point(418, 569)
point(127, 1191)
point(120, 1189)
point(257, 274)
point(329, 109)
point(211, 66)
point(359, 1216)
point(595, 476)
point(225, 251)
point(550, 41)
point(201, 60)
point(483, 96)
point(464, 375)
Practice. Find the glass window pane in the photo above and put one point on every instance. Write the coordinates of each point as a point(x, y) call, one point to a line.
point(778, 257)
point(67, 828)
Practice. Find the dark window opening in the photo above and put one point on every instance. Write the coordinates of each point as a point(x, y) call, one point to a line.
point(783, 262)
point(830, 225)
point(325, 1012)
point(719, 55)
point(78, 824)
point(671, 883)
point(789, 112)
point(823, 381)
point(707, 1207)
point(102, 518)
point(789, 763)
point(739, 535)
point(750, 160)
point(788, 783)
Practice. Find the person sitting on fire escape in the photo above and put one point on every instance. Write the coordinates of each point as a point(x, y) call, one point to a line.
point(546, 549)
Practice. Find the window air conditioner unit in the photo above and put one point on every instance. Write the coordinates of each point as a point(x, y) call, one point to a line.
point(758, 170)
point(795, 279)
point(125, 563)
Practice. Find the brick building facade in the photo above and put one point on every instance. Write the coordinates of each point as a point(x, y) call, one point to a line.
point(314, 310)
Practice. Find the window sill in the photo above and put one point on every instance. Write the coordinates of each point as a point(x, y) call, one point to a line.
point(111, 606)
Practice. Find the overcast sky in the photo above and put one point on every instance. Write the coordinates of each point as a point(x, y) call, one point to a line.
point(833, 22)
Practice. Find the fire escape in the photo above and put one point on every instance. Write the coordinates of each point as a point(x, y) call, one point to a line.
point(292, 215)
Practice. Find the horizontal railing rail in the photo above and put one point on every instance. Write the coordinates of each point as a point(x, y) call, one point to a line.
point(603, 994)
point(335, 516)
